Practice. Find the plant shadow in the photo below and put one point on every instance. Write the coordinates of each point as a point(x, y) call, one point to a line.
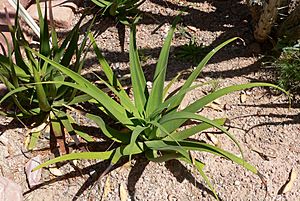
point(231, 22)
point(178, 170)
point(95, 172)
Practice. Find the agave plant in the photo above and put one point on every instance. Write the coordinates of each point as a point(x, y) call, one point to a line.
point(122, 9)
point(151, 123)
point(23, 73)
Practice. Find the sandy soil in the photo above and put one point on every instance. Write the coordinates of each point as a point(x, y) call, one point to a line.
point(263, 123)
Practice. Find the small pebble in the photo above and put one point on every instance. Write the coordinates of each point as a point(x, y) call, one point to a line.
point(237, 183)
point(227, 107)
point(204, 194)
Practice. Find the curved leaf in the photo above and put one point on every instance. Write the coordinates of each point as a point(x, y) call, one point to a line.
point(198, 146)
point(138, 80)
point(186, 133)
point(189, 115)
point(87, 87)
point(197, 105)
point(156, 95)
point(198, 69)
point(74, 156)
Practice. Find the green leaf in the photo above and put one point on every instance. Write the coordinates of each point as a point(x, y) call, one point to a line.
point(80, 99)
point(83, 135)
point(101, 3)
point(107, 131)
point(197, 71)
point(114, 155)
point(156, 95)
point(5, 69)
point(66, 123)
point(44, 31)
point(189, 115)
point(12, 94)
point(167, 88)
point(198, 146)
point(34, 136)
point(112, 79)
point(186, 133)
point(74, 156)
point(136, 132)
point(53, 32)
point(115, 109)
point(41, 94)
point(197, 105)
point(56, 125)
point(72, 47)
point(178, 95)
point(123, 96)
point(138, 81)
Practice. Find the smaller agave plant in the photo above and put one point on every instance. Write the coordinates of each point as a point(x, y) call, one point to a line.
point(23, 73)
point(122, 9)
point(151, 124)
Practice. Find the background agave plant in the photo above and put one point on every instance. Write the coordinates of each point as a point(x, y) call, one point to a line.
point(122, 9)
point(151, 124)
point(23, 73)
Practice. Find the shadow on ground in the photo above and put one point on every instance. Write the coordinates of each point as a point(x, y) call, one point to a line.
point(229, 17)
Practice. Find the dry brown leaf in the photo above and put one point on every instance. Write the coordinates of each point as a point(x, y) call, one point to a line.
point(213, 139)
point(123, 193)
point(125, 167)
point(27, 139)
point(243, 97)
point(289, 184)
point(214, 107)
point(107, 187)
point(55, 172)
point(39, 128)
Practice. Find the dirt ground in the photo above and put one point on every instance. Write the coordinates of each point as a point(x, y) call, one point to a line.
point(263, 123)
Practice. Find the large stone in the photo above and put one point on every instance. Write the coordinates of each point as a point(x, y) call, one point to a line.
point(9, 190)
point(63, 12)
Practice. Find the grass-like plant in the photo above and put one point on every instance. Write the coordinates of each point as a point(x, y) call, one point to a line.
point(151, 123)
point(288, 66)
point(192, 51)
point(122, 9)
point(23, 73)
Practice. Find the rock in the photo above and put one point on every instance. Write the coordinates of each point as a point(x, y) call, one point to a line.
point(33, 178)
point(9, 190)
point(63, 12)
